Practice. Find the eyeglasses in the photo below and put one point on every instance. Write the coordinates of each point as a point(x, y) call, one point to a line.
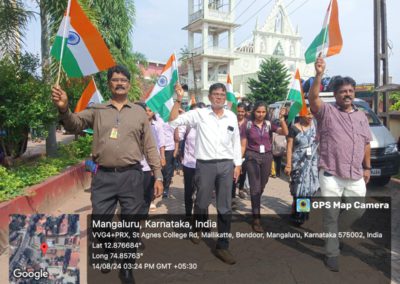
point(122, 80)
point(219, 95)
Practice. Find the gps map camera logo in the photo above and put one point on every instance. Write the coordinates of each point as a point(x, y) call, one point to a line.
point(303, 205)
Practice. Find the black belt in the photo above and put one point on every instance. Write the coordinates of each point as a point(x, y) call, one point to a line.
point(215, 161)
point(121, 169)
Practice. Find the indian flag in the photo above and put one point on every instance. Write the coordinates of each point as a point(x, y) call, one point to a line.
point(160, 99)
point(296, 95)
point(84, 51)
point(230, 96)
point(192, 102)
point(329, 40)
point(89, 97)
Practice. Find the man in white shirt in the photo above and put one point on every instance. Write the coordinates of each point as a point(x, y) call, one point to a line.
point(218, 156)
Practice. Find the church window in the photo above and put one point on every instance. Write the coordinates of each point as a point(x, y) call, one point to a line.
point(279, 50)
point(278, 22)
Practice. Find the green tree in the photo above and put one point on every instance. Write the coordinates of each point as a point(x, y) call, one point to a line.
point(272, 83)
point(24, 102)
point(13, 20)
point(395, 99)
point(115, 30)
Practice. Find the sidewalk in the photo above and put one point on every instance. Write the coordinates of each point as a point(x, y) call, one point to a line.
point(39, 148)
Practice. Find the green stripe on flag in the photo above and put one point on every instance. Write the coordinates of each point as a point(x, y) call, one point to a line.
point(311, 52)
point(294, 110)
point(295, 96)
point(230, 97)
point(157, 102)
point(69, 62)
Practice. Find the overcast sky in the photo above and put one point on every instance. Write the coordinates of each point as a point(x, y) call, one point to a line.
point(158, 30)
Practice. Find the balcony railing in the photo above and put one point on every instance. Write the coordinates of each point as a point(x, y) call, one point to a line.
point(212, 15)
point(217, 51)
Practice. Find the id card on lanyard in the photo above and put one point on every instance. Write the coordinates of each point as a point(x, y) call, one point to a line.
point(261, 132)
point(114, 130)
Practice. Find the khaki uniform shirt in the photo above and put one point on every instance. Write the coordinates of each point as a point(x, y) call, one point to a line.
point(133, 134)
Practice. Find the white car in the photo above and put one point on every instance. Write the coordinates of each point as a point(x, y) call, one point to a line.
point(385, 158)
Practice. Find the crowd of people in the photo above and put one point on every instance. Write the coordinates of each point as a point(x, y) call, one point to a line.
point(136, 152)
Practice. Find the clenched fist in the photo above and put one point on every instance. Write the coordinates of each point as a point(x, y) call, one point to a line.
point(59, 98)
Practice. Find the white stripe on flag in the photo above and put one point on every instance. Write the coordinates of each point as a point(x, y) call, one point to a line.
point(83, 56)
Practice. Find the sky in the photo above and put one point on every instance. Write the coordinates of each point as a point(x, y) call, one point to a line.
point(158, 30)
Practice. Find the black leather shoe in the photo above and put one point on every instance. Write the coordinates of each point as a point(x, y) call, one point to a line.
point(126, 276)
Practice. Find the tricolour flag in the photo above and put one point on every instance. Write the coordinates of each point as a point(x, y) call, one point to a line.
point(160, 99)
point(296, 95)
point(84, 50)
point(230, 96)
point(329, 40)
point(89, 96)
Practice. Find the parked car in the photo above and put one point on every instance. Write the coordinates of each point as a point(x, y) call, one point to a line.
point(385, 157)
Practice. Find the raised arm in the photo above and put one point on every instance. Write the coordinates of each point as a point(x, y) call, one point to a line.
point(283, 130)
point(313, 96)
point(177, 104)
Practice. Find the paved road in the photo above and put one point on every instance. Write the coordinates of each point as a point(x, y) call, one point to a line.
point(276, 200)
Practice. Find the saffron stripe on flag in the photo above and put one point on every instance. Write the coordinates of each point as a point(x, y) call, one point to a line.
point(95, 43)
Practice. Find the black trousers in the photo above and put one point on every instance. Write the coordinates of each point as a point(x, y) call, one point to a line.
point(219, 175)
point(168, 170)
point(109, 189)
point(148, 187)
point(258, 168)
point(188, 177)
point(278, 164)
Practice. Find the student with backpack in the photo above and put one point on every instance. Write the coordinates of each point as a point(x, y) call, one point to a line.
point(257, 138)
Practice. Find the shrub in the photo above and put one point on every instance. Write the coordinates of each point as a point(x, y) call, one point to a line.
point(14, 181)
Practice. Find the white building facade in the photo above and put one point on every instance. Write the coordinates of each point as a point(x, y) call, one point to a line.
point(214, 54)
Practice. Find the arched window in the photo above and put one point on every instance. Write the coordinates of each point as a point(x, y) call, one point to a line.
point(278, 22)
point(292, 52)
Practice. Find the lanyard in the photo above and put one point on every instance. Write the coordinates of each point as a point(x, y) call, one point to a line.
point(118, 119)
point(261, 132)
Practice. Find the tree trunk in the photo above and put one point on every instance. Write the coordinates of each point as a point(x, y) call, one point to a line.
point(51, 140)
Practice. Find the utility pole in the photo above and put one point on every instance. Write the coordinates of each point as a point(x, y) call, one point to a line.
point(381, 64)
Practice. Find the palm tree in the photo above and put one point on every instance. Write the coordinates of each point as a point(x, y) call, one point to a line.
point(116, 32)
point(13, 20)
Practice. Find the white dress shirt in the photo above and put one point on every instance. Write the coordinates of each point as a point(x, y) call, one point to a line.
point(168, 136)
point(217, 137)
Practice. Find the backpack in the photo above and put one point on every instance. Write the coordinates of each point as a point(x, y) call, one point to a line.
point(279, 145)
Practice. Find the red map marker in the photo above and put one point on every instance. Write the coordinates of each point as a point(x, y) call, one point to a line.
point(44, 248)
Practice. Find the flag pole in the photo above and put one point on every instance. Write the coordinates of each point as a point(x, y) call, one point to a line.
point(63, 42)
point(177, 70)
point(94, 82)
point(287, 95)
point(326, 31)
